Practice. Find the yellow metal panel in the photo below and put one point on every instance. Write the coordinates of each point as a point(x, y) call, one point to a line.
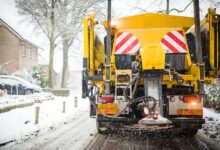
point(123, 71)
point(211, 38)
point(195, 71)
point(86, 38)
point(151, 20)
point(152, 52)
point(91, 45)
point(153, 57)
point(108, 111)
point(190, 112)
point(108, 105)
point(185, 77)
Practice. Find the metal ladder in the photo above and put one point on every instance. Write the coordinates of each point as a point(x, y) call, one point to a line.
point(120, 86)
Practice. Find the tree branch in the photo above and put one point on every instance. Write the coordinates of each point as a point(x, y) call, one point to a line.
point(179, 11)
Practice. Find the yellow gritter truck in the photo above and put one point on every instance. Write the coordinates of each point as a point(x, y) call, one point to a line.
point(154, 74)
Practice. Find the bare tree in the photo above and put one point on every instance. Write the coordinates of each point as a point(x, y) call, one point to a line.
point(57, 19)
point(43, 14)
point(71, 16)
point(168, 10)
point(179, 11)
point(215, 3)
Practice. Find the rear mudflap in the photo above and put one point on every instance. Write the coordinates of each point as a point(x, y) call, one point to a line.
point(188, 122)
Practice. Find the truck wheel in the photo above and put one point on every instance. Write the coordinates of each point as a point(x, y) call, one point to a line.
point(102, 129)
point(193, 132)
point(190, 132)
point(92, 108)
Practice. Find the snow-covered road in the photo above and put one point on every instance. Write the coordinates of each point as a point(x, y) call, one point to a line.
point(74, 134)
point(55, 130)
point(75, 130)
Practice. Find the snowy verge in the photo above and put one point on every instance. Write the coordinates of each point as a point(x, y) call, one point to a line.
point(20, 123)
point(211, 128)
point(18, 100)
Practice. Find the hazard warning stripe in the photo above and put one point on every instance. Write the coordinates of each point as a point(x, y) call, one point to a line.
point(121, 36)
point(123, 41)
point(130, 47)
point(169, 46)
point(126, 43)
point(179, 34)
point(177, 40)
point(174, 42)
point(135, 49)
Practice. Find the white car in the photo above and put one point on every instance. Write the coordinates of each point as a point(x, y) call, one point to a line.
point(17, 86)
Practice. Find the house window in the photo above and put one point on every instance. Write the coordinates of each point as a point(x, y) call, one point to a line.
point(36, 54)
point(30, 53)
point(23, 50)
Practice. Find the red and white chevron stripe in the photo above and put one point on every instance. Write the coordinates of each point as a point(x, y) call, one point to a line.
point(174, 42)
point(126, 43)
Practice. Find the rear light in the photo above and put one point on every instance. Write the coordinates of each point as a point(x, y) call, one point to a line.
point(192, 99)
point(105, 99)
point(146, 111)
point(193, 103)
point(155, 115)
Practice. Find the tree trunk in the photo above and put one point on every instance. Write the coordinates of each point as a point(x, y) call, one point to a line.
point(50, 81)
point(168, 7)
point(65, 70)
point(52, 44)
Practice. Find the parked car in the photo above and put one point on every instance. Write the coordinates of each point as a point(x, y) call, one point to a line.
point(17, 86)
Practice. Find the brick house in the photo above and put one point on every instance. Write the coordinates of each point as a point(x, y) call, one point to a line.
point(16, 53)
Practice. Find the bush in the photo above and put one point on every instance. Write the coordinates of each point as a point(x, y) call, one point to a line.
point(213, 96)
point(40, 76)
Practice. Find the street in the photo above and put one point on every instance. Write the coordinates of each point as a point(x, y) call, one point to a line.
point(72, 134)
point(80, 133)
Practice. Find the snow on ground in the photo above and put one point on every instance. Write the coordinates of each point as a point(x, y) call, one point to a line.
point(20, 122)
point(10, 100)
point(211, 128)
point(210, 113)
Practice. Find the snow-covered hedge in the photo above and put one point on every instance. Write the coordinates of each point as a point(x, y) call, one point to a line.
point(10, 102)
point(213, 96)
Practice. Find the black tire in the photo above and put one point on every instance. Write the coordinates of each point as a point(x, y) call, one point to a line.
point(101, 127)
point(92, 108)
point(193, 132)
point(190, 132)
point(28, 91)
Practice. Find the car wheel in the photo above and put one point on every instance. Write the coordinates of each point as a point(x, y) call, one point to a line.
point(27, 92)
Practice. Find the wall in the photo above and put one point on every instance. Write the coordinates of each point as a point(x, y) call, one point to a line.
point(21, 53)
point(28, 55)
point(9, 44)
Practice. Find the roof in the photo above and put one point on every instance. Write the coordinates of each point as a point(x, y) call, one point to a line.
point(3, 23)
